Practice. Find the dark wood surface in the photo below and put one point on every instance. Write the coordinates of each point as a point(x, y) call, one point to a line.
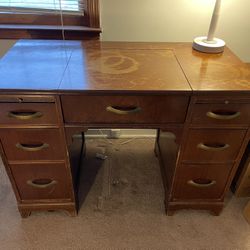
point(32, 139)
point(28, 114)
point(215, 141)
point(202, 175)
point(105, 66)
point(24, 173)
point(221, 113)
point(149, 109)
point(155, 85)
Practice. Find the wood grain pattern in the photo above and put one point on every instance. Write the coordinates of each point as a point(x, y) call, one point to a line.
point(121, 69)
point(41, 171)
point(203, 175)
point(221, 114)
point(47, 114)
point(214, 139)
point(117, 66)
point(171, 85)
point(32, 138)
point(150, 109)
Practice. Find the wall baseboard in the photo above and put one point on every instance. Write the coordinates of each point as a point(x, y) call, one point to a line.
point(120, 133)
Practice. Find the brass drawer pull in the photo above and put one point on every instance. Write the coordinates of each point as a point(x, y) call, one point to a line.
point(194, 183)
point(32, 147)
point(25, 115)
point(213, 146)
point(123, 110)
point(41, 183)
point(223, 115)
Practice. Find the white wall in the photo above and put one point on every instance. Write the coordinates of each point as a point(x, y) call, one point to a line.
point(176, 20)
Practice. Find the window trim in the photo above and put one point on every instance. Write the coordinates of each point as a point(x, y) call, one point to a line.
point(11, 27)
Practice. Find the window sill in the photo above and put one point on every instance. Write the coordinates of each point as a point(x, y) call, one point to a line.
point(16, 31)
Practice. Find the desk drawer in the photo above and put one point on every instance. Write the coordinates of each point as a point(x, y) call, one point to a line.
point(219, 113)
point(124, 109)
point(201, 181)
point(32, 144)
point(28, 113)
point(42, 181)
point(213, 145)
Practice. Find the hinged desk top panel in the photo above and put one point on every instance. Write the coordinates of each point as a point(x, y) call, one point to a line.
point(105, 66)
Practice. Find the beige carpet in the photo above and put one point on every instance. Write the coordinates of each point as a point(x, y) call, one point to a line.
point(122, 208)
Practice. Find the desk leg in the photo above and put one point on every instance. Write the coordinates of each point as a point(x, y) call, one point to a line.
point(166, 149)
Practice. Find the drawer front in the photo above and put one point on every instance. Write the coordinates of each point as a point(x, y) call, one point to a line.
point(42, 181)
point(28, 113)
point(224, 114)
point(124, 109)
point(213, 145)
point(32, 144)
point(201, 181)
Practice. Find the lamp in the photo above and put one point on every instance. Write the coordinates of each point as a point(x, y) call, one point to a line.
point(210, 44)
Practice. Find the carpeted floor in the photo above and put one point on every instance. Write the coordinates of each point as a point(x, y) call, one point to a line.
point(121, 208)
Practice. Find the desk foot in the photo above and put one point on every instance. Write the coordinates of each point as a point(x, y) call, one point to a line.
point(25, 214)
point(170, 212)
point(216, 211)
point(26, 209)
point(71, 212)
point(215, 208)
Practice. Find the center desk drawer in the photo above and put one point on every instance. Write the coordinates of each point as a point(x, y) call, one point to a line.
point(28, 113)
point(32, 144)
point(124, 109)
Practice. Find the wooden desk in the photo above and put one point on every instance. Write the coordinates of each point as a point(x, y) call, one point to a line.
point(52, 89)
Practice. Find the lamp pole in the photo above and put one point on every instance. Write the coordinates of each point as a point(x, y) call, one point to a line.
point(209, 43)
point(214, 21)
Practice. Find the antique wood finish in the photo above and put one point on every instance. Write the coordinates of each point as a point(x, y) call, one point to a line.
point(213, 145)
point(198, 102)
point(32, 144)
point(42, 182)
point(28, 114)
point(35, 154)
point(201, 181)
point(124, 109)
point(227, 113)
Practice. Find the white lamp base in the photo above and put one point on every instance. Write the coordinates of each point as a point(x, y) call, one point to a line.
point(215, 46)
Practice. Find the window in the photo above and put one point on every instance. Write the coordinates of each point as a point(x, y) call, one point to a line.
point(77, 19)
point(73, 6)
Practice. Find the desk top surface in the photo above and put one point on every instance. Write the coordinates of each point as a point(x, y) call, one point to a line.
point(42, 65)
